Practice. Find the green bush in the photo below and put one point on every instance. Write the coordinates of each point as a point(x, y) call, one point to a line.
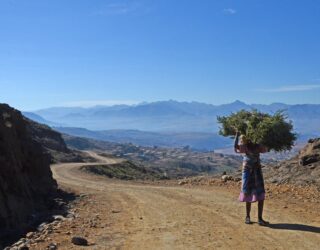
point(272, 131)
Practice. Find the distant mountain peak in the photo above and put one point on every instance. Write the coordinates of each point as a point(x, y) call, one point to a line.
point(235, 104)
point(238, 102)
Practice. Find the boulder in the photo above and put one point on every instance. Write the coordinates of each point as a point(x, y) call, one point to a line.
point(79, 241)
point(310, 153)
point(52, 246)
point(226, 178)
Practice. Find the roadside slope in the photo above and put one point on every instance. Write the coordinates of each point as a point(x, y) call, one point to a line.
point(26, 183)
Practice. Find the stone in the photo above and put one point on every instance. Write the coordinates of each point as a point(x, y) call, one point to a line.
point(71, 215)
point(42, 226)
point(116, 211)
point(29, 235)
point(20, 242)
point(79, 241)
point(308, 159)
point(52, 246)
point(23, 247)
point(58, 217)
point(183, 182)
point(226, 178)
point(58, 225)
point(38, 240)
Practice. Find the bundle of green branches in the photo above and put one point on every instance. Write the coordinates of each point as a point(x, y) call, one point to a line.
point(272, 131)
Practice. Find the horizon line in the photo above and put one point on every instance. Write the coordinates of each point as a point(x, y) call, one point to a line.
point(137, 103)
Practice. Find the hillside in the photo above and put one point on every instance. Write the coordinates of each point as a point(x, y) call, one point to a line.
point(169, 162)
point(53, 143)
point(25, 177)
point(38, 118)
point(302, 169)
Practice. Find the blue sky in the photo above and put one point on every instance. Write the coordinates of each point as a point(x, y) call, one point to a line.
point(87, 52)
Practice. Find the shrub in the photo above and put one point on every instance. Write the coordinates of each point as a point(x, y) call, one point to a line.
point(272, 131)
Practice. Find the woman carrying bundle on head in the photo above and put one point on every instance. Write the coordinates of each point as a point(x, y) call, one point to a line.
point(252, 188)
point(260, 133)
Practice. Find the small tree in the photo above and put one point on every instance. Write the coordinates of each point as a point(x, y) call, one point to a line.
point(272, 131)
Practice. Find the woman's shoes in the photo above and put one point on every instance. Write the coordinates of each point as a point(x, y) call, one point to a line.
point(262, 222)
point(247, 221)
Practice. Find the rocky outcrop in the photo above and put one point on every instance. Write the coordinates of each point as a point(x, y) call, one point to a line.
point(25, 177)
point(53, 143)
point(303, 169)
point(48, 138)
point(310, 155)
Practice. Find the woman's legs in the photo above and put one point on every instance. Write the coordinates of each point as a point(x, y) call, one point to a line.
point(260, 209)
point(248, 208)
point(260, 212)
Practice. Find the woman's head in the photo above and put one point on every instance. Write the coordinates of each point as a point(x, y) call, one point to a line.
point(248, 143)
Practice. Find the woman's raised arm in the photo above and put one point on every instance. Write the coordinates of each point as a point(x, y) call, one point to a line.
point(236, 143)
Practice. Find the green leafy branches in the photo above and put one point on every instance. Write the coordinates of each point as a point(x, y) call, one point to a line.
point(272, 131)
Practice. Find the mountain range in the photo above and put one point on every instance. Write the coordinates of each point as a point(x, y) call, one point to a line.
point(166, 122)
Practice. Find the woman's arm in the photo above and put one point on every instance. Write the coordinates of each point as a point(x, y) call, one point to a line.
point(236, 143)
point(241, 149)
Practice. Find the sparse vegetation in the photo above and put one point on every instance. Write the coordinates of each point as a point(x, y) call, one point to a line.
point(125, 171)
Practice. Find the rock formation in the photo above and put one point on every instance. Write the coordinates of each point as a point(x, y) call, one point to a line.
point(25, 177)
point(303, 169)
point(53, 143)
point(310, 155)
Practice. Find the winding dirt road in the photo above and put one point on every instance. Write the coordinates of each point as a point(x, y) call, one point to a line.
point(142, 216)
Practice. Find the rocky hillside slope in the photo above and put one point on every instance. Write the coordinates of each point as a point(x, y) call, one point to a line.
point(53, 143)
point(303, 169)
point(25, 177)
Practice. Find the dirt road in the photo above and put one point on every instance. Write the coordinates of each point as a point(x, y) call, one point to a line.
point(141, 216)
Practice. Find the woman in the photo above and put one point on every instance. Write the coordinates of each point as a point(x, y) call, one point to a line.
point(252, 189)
